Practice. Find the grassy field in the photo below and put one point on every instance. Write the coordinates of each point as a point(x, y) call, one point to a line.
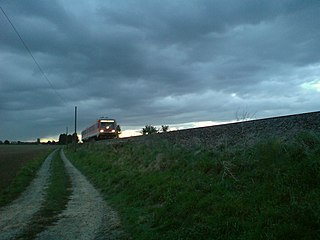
point(267, 191)
point(18, 166)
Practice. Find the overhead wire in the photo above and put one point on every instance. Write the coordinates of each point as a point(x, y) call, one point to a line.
point(32, 56)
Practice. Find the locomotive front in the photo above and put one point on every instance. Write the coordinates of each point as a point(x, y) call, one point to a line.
point(103, 128)
point(107, 128)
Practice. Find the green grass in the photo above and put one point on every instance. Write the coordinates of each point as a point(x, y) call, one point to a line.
point(266, 191)
point(23, 177)
point(58, 193)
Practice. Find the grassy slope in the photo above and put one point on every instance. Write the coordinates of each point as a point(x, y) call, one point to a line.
point(268, 191)
point(23, 162)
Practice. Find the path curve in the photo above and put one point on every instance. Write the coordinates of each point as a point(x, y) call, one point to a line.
point(86, 216)
point(15, 217)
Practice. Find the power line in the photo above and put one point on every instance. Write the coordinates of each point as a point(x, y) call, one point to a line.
point(30, 53)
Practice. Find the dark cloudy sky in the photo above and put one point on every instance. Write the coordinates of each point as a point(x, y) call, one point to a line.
point(142, 62)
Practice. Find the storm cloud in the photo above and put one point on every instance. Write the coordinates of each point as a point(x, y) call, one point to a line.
point(155, 62)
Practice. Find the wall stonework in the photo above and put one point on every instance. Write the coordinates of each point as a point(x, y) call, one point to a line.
point(239, 133)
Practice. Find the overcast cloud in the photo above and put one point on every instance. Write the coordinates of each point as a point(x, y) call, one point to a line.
point(155, 62)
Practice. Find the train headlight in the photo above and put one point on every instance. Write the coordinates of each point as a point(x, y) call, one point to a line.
point(101, 130)
point(113, 130)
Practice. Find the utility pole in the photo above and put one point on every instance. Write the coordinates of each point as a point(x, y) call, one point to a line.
point(75, 128)
point(75, 119)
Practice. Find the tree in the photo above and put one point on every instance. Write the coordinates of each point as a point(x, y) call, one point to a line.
point(66, 139)
point(6, 142)
point(75, 138)
point(244, 115)
point(149, 129)
point(63, 139)
point(69, 139)
point(164, 128)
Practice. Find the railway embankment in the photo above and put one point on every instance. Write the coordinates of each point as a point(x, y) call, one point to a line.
point(239, 133)
point(197, 184)
point(268, 190)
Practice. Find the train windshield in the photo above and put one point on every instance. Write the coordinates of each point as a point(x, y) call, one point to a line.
point(107, 125)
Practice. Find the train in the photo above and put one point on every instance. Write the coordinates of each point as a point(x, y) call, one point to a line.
point(103, 128)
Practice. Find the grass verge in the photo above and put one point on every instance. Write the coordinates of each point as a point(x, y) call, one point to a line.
point(266, 191)
point(57, 197)
point(22, 179)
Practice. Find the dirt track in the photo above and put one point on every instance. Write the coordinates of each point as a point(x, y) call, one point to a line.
point(86, 216)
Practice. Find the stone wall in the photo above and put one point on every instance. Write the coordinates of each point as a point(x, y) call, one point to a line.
point(239, 133)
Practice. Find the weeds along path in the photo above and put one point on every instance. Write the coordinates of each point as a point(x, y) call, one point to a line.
point(86, 216)
point(15, 217)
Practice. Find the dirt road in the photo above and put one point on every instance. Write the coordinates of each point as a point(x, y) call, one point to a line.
point(86, 216)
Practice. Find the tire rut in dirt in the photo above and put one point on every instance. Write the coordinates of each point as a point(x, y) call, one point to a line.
point(15, 217)
point(87, 216)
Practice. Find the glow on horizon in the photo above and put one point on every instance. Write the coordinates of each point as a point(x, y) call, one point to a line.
point(136, 131)
point(174, 127)
point(314, 85)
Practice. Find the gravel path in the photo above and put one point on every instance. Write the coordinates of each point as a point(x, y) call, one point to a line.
point(87, 216)
point(15, 217)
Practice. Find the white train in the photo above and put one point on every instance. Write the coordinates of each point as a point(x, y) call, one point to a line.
point(103, 128)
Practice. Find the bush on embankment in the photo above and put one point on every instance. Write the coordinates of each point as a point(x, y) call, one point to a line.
point(266, 191)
